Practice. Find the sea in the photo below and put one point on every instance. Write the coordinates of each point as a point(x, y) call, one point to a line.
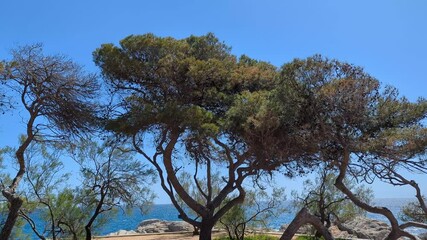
point(130, 221)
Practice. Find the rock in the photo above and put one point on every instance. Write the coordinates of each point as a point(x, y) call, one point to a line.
point(179, 226)
point(160, 226)
point(122, 232)
point(306, 229)
point(149, 222)
point(367, 228)
point(151, 226)
point(337, 233)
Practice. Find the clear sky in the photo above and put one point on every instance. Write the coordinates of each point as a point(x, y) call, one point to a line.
point(387, 37)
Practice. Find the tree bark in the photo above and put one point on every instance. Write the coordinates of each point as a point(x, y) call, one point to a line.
point(413, 224)
point(206, 230)
point(15, 204)
point(304, 217)
point(88, 232)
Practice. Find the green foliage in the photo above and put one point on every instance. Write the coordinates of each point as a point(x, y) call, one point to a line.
point(338, 105)
point(188, 83)
point(258, 208)
point(172, 74)
point(413, 212)
point(44, 180)
point(70, 213)
point(197, 191)
point(177, 92)
point(200, 103)
point(234, 222)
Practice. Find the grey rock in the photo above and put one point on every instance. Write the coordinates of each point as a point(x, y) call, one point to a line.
point(160, 226)
point(368, 228)
point(179, 226)
point(359, 227)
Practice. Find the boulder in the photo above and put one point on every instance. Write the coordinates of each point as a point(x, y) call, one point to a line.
point(337, 233)
point(151, 226)
point(367, 228)
point(160, 226)
point(179, 226)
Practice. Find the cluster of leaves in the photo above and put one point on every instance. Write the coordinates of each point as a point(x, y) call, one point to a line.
point(254, 213)
point(188, 84)
point(413, 212)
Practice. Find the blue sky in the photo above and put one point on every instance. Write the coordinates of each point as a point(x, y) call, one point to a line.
point(387, 37)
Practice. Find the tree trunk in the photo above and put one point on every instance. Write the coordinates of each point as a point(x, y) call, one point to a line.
point(88, 233)
point(206, 230)
point(304, 217)
point(88, 227)
point(14, 200)
point(15, 204)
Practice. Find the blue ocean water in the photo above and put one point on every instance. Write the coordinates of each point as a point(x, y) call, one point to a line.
point(167, 212)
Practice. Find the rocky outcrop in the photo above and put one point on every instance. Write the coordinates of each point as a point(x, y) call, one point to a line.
point(366, 228)
point(309, 230)
point(161, 226)
point(359, 227)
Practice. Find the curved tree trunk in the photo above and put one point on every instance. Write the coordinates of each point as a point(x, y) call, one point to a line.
point(15, 202)
point(304, 217)
point(88, 227)
point(396, 232)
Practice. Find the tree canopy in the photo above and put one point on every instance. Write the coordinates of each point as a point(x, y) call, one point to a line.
point(181, 92)
point(355, 125)
point(57, 97)
point(191, 108)
point(200, 101)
